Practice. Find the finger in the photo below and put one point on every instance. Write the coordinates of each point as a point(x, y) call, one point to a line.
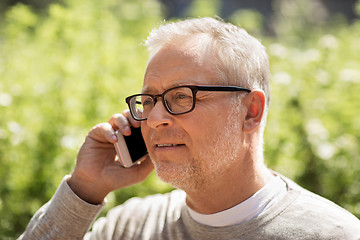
point(144, 169)
point(103, 132)
point(119, 121)
point(148, 166)
point(134, 174)
point(128, 116)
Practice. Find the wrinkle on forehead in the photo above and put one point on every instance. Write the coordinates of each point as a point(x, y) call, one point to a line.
point(196, 47)
point(181, 57)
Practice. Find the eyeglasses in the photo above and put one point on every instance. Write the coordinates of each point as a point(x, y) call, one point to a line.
point(177, 100)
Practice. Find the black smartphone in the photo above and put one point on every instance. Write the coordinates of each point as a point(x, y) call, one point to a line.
point(131, 150)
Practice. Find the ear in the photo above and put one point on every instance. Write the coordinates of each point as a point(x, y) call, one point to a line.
point(255, 103)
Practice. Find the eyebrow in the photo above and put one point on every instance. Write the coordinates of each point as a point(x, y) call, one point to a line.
point(146, 90)
point(149, 90)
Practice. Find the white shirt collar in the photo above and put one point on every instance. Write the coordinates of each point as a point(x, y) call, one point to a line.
point(271, 193)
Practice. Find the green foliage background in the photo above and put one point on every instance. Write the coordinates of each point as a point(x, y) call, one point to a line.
point(63, 71)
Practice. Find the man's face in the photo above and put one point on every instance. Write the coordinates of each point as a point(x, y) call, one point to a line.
point(196, 148)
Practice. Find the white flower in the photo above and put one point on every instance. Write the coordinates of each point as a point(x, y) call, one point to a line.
point(282, 78)
point(328, 41)
point(5, 99)
point(278, 50)
point(349, 75)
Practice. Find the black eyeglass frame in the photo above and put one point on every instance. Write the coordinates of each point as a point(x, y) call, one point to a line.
point(194, 90)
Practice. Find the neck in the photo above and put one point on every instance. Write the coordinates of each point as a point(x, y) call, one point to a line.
point(230, 189)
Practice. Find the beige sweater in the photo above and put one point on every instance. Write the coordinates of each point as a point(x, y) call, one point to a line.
point(299, 215)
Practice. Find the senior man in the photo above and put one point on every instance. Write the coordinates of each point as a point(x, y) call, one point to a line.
point(204, 103)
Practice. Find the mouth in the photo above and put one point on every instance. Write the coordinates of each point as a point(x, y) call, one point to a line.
point(166, 149)
point(168, 145)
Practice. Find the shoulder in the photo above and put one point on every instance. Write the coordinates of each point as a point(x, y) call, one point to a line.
point(310, 213)
point(162, 207)
point(156, 202)
point(142, 216)
point(170, 199)
point(310, 202)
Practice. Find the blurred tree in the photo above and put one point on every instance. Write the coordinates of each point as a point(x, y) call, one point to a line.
point(63, 71)
point(38, 5)
point(176, 8)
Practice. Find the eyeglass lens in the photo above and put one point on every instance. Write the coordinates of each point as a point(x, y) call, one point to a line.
point(177, 101)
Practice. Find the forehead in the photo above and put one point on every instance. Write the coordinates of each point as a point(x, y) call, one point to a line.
point(188, 62)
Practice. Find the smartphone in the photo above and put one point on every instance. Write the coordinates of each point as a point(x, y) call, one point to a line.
point(131, 150)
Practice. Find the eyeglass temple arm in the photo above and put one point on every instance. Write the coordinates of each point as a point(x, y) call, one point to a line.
point(222, 88)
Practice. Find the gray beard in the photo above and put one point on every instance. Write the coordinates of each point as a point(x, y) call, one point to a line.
point(213, 161)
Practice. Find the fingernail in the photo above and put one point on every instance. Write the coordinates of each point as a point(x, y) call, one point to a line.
point(113, 137)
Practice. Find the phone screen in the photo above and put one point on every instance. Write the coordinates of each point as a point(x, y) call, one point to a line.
point(135, 144)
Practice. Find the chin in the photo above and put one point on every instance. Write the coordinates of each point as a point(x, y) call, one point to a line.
point(185, 178)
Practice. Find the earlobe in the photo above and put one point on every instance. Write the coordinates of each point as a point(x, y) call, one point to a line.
point(255, 103)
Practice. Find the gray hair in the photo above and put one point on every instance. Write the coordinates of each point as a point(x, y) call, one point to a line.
point(240, 58)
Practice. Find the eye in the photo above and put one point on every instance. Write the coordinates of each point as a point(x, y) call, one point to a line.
point(181, 96)
point(147, 101)
point(182, 93)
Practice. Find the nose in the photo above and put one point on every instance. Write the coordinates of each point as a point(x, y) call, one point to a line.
point(159, 116)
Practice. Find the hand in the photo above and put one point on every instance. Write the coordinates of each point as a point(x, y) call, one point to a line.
point(97, 172)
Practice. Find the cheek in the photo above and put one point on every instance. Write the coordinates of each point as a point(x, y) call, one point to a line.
point(202, 132)
point(145, 130)
point(215, 129)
